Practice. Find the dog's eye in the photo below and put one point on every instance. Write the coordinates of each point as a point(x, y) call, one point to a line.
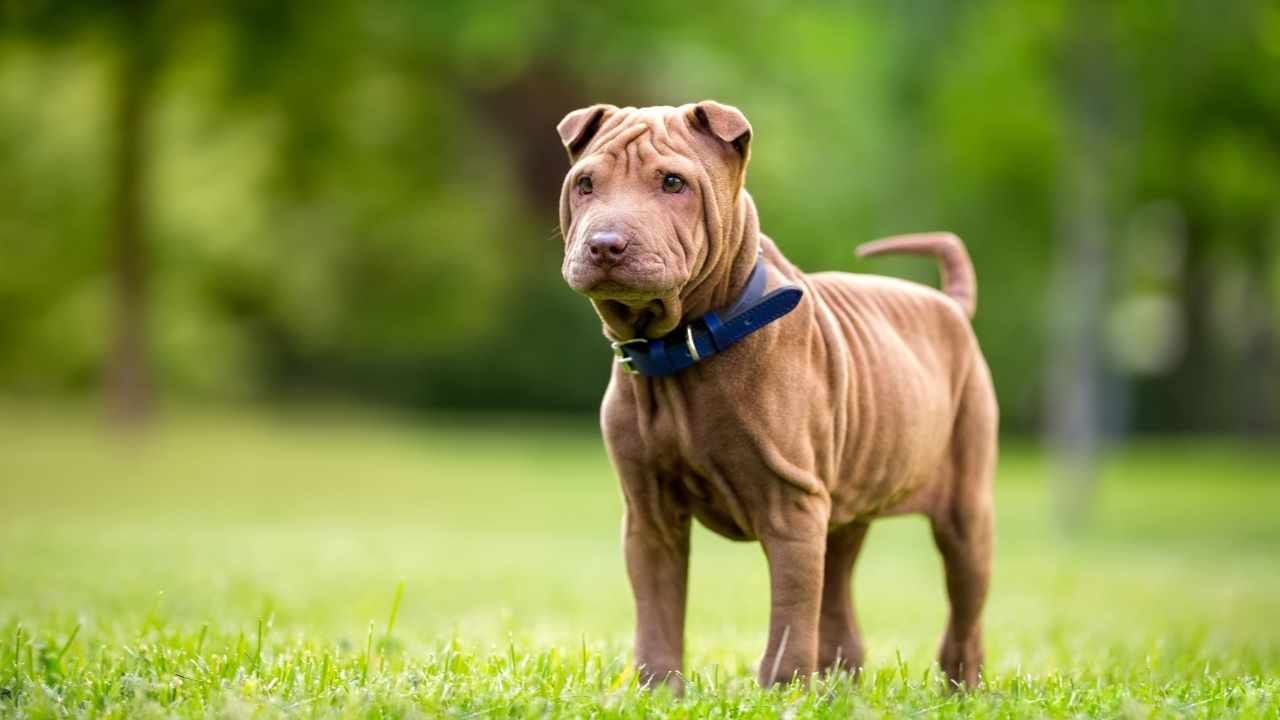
point(584, 185)
point(672, 183)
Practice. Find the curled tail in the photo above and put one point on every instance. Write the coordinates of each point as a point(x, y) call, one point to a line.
point(958, 279)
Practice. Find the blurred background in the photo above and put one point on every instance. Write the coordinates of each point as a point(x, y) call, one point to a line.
point(253, 201)
point(304, 259)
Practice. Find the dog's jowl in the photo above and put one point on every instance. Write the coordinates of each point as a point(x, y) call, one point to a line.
point(770, 404)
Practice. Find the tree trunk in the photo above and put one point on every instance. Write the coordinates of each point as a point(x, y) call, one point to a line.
point(1260, 375)
point(1075, 369)
point(1193, 384)
point(129, 386)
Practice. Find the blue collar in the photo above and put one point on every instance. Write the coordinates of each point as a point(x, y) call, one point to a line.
point(708, 335)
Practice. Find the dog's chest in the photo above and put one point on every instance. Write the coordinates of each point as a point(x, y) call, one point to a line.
point(694, 472)
point(707, 459)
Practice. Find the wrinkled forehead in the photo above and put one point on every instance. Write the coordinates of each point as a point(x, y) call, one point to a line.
point(637, 138)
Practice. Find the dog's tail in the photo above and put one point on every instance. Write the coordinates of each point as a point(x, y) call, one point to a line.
point(958, 279)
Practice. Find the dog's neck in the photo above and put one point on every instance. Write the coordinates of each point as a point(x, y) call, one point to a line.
point(731, 252)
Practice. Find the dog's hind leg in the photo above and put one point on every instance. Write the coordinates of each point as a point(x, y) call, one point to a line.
point(963, 528)
point(839, 640)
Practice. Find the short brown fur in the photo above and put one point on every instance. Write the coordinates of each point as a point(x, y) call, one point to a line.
point(870, 399)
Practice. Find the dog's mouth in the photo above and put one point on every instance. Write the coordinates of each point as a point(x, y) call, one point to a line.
point(625, 284)
point(622, 293)
point(633, 319)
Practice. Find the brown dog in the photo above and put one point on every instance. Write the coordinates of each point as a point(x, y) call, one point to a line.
point(870, 398)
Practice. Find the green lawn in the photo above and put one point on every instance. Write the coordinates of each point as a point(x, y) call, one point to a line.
point(241, 563)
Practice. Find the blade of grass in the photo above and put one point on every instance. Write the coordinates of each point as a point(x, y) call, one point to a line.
point(67, 645)
point(324, 674)
point(368, 655)
point(395, 609)
point(391, 624)
point(17, 654)
point(257, 652)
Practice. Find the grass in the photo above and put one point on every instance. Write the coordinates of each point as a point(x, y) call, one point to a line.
point(339, 563)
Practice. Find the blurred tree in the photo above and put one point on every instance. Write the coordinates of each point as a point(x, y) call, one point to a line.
point(1077, 302)
point(137, 44)
point(1210, 143)
point(129, 382)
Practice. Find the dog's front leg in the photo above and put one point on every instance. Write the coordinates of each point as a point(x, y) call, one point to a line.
point(656, 540)
point(795, 582)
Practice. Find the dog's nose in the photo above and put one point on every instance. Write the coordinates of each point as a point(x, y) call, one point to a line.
point(607, 247)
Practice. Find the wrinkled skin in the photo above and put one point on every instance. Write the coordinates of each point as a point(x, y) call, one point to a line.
point(870, 399)
point(680, 244)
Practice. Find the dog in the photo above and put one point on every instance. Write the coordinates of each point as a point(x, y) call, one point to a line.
point(770, 404)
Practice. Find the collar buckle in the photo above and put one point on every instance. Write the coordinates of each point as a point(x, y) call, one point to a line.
point(689, 344)
point(624, 359)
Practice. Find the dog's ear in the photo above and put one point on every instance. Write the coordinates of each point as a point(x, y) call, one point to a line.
point(578, 127)
point(726, 123)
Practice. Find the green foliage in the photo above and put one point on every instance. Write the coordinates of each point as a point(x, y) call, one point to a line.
point(330, 563)
point(361, 197)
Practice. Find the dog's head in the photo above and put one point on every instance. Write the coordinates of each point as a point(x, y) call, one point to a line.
point(650, 209)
